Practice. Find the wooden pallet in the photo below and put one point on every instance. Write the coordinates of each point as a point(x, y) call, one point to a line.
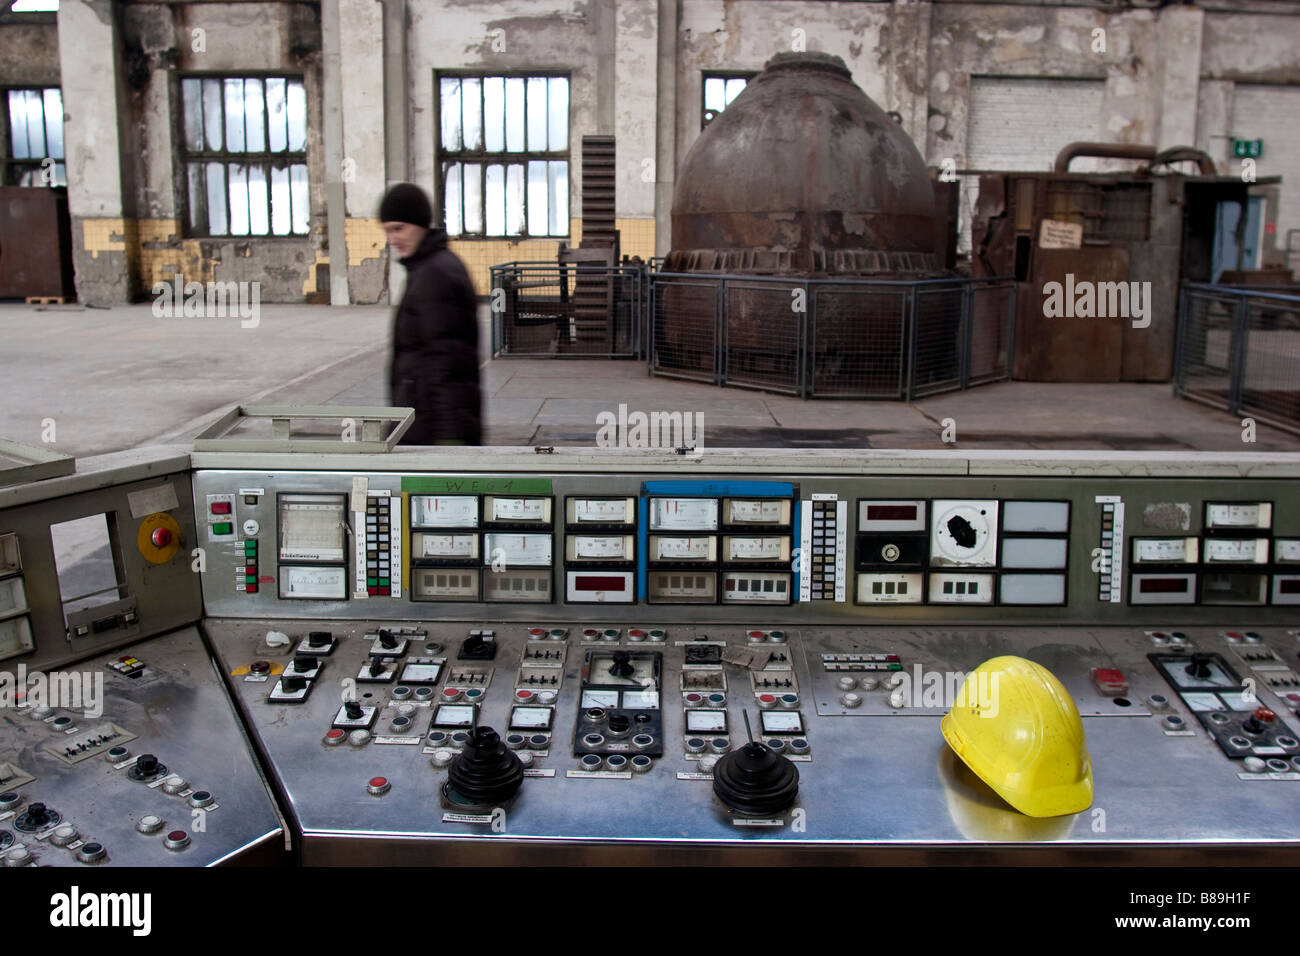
point(46, 300)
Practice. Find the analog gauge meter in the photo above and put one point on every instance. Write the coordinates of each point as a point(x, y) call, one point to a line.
point(528, 550)
point(444, 511)
point(684, 514)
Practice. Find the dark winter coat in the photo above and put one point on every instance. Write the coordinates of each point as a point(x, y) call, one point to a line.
point(434, 367)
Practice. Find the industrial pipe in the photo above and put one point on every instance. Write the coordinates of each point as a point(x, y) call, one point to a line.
point(1104, 150)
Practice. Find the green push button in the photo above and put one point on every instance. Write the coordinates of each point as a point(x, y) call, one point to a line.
point(223, 527)
point(895, 667)
point(383, 582)
point(372, 582)
point(250, 578)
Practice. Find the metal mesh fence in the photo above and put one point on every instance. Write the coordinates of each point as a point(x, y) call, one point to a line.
point(833, 338)
point(938, 337)
point(1239, 349)
point(989, 339)
point(858, 340)
point(563, 309)
point(685, 327)
point(763, 333)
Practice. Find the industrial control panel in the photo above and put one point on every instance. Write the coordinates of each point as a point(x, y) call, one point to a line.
point(496, 656)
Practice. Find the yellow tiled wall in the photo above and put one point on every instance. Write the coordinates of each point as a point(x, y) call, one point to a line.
point(365, 239)
point(636, 238)
point(155, 251)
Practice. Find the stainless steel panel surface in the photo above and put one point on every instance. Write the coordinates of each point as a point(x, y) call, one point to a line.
point(878, 778)
point(177, 710)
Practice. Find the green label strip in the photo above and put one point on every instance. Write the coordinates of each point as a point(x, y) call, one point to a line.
point(418, 485)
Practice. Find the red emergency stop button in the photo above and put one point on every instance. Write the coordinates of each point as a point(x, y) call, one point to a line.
point(1110, 681)
point(161, 537)
point(378, 786)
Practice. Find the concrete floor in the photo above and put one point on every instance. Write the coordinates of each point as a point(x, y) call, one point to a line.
point(117, 378)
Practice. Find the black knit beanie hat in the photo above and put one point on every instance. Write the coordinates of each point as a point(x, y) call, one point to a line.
point(406, 202)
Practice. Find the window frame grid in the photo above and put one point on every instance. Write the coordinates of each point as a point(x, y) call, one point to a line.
point(14, 167)
point(706, 75)
point(482, 157)
point(264, 159)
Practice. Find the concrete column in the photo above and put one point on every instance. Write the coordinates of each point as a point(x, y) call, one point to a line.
point(603, 18)
point(665, 126)
point(396, 133)
point(363, 165)
point(909, 66)
point(332, 143)
point(636, 52)
point(90, 59)
point(1180, 33)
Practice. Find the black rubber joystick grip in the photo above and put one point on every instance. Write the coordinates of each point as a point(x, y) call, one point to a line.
point(386, 640)
point(622, 666)
point(352, 709)
point(1199, 667)
point(755, 780)
point(485, 772)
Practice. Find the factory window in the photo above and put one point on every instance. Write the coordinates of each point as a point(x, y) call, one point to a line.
point(34, 130)
point(719, 89)
point(245, 155)
point(503, 151)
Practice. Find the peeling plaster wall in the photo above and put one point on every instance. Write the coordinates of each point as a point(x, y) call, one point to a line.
point(743, 35)
point(162, 43)
point(560, 36)
point(29, 54)
point(555, 37)
point(1254, 52)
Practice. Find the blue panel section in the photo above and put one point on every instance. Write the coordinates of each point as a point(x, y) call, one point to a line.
point(643, 506)
point(794, 525)
point(765, 489)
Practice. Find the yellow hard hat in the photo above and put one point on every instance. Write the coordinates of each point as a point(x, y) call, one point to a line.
point(1017, 728)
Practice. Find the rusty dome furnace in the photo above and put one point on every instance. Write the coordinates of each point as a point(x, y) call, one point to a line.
point(803, 175)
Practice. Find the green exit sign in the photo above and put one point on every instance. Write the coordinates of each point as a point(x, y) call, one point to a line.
point(1252, 148)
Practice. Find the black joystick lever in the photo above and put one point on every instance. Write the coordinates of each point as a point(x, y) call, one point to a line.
point(755, 780)
point(352, 709)
point(376, 668)
point(1199, 667)
point(386, 640)
point(622, 666)
point(485, 773)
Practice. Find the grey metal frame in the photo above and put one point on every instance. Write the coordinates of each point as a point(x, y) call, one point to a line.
point(372, 420)
point(1243, 303)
